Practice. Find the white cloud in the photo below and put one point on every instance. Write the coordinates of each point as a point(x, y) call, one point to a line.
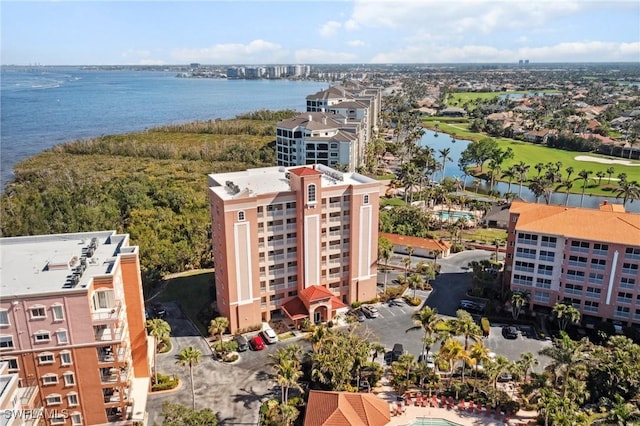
point(561, 52)
point(257, 51)
point(356, 43)
point(522, 40)
point(318, 56)
point(330, 28)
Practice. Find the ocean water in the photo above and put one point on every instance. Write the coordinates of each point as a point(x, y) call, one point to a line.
point(42, 107)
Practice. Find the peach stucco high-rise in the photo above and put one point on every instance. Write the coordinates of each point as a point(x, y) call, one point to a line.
point(588, 258)
point(72, 323)
point(300, 242)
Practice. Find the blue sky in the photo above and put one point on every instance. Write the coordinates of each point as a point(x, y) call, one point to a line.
point(307, 31)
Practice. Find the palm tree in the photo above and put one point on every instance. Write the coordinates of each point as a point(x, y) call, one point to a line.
point(288, 373)
point(479, 354)
point(600, 174)
point(426, 319)
point(610, 171)
point(566, 184)
point(522, 169)
point(452, 351)
point(464, 325)
point(567, 358)
point(566, 314)
point(584, 175)
point(526, 361)
point(190, 357)
point(628, 191)
point(444, 154)
point(407, 263)
point(519, 299)
point(511, 173)
point(435, 254)
point(385, 252)
point(415, 280)
point(570, 171)
point(217, 327)
point(159, 329)
point(539, 167)
point(541, 186)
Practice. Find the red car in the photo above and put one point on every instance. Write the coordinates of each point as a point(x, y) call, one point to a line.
point(257, 344)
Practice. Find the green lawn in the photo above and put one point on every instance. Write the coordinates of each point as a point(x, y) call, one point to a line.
point(459, 98)
point(191, 290)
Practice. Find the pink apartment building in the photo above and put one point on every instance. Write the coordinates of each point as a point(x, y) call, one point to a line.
point(296, 242)
point(72, 325)
point(589, 258)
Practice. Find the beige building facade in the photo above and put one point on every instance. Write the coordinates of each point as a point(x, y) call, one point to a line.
point(297, 242)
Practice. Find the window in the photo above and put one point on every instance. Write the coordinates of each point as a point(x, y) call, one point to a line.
point(545, 269)
point(76, 419)
point(13, 362)
point(591, 306)
point(547, 256)
point(530, 239)
point(241, 216)
point(627, 283)
point(575, 275)
point(72, 399)
point(57, 419)
point(38, 312)
point(50, 379)
point(630, 268)
point(522, 280)
point(596, 278)
point(45, 358)
point(63, 339)
point(311, 193)
point(524, 266)
point(365, 199)
point(103, 299)
point(578, 261)
point(65, 358)
point(541, 296)
point(543, 283)
point(600, 249)
point(580, 246)
point(527, 253)
point(573, 289)
point(593, 292)
point(6, 342)
point(548, 241)
point(622, 311)
point(54, 399)
point(41, 336)
point(599, 264)
point(69, 379)
point(4, 318)
point(624, 297)
point(58, 313)
point(632, 253)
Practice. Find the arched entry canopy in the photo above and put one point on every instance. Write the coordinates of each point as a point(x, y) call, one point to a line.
point(317, 303)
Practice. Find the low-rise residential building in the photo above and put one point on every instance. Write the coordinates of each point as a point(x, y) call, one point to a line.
point(589, 258)
point(297, 242)
point(72, 324)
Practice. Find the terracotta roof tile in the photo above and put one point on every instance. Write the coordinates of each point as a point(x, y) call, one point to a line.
point(572, 222)
point(416, 242)
point(305, 171)
point(346, 409)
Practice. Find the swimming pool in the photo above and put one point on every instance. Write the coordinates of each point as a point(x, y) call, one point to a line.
point(423, 421)
point(445, 215)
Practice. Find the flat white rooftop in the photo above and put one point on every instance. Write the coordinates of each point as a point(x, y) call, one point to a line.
point(42, 264)
point(273, 180)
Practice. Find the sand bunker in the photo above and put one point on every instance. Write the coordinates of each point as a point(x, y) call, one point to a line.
point(604, 160)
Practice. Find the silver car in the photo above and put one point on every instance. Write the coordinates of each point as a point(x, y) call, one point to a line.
point(269, 336)
point(370, 311)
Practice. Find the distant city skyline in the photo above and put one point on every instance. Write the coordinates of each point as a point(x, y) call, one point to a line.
point(318, 32)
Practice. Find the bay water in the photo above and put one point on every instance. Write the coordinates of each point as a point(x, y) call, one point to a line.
point(42, 107)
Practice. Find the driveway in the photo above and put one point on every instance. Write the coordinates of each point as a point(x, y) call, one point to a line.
point(233, 391)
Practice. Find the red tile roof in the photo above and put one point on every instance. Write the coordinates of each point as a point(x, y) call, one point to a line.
point(416, 242)
point(304, 171)
point(316, 292)
point(346, 409)
point(295, 309)
point(572, 222)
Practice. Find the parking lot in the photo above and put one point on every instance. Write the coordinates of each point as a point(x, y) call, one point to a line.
point(236, 391)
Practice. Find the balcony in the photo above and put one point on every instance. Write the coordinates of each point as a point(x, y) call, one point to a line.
point(108, 314)
point(107, 334)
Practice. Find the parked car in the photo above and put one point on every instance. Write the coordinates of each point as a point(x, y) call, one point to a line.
point(257, 344)
point(398, 350)
point(427, 359)
point(471, 307)
point(395, 302)
point(357, 314)
point(269, 336)
point(155, 311)
point(370, 311)
point(242, 342)
point(510, 332)
point(505, 377)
